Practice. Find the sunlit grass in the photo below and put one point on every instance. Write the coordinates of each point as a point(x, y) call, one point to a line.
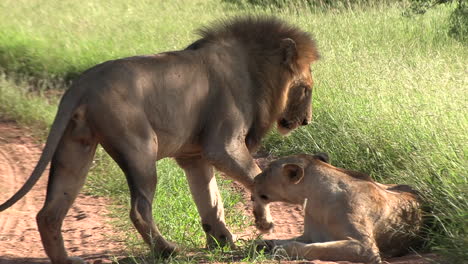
point(64, 38)
point(391, 100)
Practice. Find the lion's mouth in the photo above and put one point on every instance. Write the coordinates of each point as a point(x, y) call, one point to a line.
point(284, 123)
point(290, 125)
point(285, 126)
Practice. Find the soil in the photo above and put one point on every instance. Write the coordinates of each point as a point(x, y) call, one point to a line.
point(86, 229)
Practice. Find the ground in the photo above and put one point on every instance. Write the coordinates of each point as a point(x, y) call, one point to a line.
point(86, 230)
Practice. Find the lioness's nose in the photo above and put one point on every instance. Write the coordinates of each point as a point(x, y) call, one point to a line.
point(305, 122)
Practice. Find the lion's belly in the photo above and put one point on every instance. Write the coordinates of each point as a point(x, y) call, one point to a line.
point(171, 145)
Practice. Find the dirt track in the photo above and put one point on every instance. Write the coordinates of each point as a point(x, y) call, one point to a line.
point(86, 230)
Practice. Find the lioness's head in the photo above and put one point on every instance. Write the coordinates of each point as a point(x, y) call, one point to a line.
point(281, 182)
point(276, 181)
point(298, 105)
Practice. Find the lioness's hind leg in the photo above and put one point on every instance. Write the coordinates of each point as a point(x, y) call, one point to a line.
point(202, 182)
point(341, 250)
point(69, 167)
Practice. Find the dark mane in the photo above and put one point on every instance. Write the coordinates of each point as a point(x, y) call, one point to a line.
point(261, 36)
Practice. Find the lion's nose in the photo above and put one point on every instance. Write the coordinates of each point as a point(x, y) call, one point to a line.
point(284, 123)
point(305, 122)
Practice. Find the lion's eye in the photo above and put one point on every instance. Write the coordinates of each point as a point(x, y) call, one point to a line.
point(263, 197)
point(306, 91)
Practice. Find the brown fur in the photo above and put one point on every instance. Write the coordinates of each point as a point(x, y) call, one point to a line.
point(348, 216)
point(206, 106)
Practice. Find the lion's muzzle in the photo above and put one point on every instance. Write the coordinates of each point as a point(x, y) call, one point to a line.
point(263, 220)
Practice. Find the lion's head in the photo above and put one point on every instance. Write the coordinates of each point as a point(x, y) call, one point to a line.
point(298, 109)
point(295, 59)
point(279, 56)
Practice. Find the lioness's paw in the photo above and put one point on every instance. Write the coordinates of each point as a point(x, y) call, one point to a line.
point(279, 252)
point(266, 245)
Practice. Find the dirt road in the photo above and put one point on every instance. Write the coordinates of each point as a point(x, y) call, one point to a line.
point(86, 230)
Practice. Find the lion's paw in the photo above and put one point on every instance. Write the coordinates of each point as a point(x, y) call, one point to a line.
point(75, 260)
point(264, 226)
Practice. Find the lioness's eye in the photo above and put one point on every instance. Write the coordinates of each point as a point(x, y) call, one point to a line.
point(263, 197)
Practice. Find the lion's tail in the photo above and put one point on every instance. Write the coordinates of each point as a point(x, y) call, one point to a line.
point(66, 108)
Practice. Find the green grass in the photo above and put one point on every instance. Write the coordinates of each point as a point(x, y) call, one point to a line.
point(391, 100)
point(174, 210)
point(28, 109)
point(63, 38)
point(390, 97)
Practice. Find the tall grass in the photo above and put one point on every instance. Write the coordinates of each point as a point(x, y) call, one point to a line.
point(17, 102)
point(63, 38)
point(390, 97)
point(391, 100)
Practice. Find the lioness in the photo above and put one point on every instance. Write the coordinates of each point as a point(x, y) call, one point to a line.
point(347, 215)
point(208, 106)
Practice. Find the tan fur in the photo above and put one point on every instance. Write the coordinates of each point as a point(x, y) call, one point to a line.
point(348, 216)
point(207, 106)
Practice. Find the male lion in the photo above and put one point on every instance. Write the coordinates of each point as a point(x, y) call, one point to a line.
point(207, 106)
point(347, 215)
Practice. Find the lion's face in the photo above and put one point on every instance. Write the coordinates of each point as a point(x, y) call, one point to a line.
point(298, 110)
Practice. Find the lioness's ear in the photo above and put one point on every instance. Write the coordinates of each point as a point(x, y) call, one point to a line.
point(322, 156)
point(293, 172)
point(289, 51)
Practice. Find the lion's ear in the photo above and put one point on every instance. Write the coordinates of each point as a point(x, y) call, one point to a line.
point(288, 51)
point(293, 172)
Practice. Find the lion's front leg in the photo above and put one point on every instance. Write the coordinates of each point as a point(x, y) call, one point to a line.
point(232, 157)
point(263, 219)
point(202, 182)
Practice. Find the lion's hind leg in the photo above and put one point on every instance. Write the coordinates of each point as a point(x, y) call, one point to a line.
point(69, 167)
point(135, 151)
point(342, 250)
